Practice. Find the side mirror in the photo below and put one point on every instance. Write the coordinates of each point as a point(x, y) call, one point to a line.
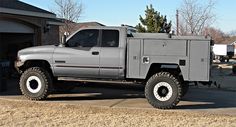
point(63, 39)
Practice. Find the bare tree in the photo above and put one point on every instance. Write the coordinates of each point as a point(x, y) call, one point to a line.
point(69, 11)
point(217, 35)
point(232, 33)
point(195, 15)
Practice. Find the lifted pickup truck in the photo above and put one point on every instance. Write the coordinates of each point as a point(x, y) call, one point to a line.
point(165, 64)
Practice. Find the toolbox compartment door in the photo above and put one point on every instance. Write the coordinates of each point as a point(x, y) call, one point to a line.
point(199, 61)
point(155, 47)
point(133, 58)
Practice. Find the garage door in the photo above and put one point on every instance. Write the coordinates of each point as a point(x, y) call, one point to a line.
point(14, 36)
point(8, 26)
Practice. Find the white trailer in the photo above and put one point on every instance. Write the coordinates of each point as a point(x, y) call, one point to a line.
point(223, 52)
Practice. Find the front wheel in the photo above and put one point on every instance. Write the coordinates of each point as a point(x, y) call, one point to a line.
point(34, 83)
point(163, 90)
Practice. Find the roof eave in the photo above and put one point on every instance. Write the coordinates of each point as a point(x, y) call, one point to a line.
point(57, 23)
point(26, 13)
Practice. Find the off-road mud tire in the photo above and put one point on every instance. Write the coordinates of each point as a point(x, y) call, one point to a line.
point(43, 77)
point(173, 85)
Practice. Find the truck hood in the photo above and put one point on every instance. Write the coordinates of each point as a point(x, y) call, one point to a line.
point(49, 49)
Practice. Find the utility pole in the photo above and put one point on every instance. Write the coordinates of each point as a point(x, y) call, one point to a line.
point(177, 22)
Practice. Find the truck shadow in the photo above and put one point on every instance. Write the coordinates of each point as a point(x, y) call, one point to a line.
point(11, 88)
point(100, 92)
point(208, 99)
point(196, 98)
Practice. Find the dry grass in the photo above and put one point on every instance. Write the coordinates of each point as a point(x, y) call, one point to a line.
point(27, 113)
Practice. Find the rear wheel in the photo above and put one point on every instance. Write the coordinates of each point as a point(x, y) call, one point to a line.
point(163, 90)
point(222, 59)
point(34, 83)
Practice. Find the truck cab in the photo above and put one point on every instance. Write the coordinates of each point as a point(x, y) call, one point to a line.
point(92, 52)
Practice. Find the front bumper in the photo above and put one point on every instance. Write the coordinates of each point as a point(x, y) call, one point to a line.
point(18, 64)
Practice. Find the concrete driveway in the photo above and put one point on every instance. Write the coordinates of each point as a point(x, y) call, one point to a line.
point(122, 96)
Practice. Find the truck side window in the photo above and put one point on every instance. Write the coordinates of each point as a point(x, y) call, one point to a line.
point(84, 38)
point(110, 38)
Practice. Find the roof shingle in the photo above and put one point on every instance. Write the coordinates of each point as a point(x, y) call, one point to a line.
point(19, 5)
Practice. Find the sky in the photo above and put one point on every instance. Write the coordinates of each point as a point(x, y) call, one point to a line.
point(117, 12)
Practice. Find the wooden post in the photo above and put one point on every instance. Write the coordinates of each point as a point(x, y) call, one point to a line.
point(177, 22)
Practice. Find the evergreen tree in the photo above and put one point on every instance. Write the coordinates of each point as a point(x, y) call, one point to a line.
point(154, 22)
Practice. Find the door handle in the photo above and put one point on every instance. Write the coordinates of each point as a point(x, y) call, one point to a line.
point(60, 61)
point(95, 53)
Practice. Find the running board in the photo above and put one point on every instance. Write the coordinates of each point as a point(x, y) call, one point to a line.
point(95, 80)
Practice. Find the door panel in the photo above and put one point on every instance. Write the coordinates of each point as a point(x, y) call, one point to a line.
point(110, 56)
point(110, 62)
point(76, 62)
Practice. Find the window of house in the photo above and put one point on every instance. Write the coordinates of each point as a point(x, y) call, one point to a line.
point(110, 38)
point(84, 38)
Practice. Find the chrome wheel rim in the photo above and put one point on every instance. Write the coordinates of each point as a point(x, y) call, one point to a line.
point(33, 84)
point(163, 91)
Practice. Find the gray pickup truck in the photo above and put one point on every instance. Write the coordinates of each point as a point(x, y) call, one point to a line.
point(165, 64)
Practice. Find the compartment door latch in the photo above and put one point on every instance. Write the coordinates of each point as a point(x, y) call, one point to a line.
point(146, 60)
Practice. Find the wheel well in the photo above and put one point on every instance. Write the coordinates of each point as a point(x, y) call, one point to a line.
point(163, 67)
point(37, 63)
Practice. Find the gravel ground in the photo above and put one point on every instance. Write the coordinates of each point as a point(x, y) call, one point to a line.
point(28, 113)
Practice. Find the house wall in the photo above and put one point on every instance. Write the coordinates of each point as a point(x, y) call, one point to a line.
point(24, 31)
point(52, 36)
point(44, 34)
